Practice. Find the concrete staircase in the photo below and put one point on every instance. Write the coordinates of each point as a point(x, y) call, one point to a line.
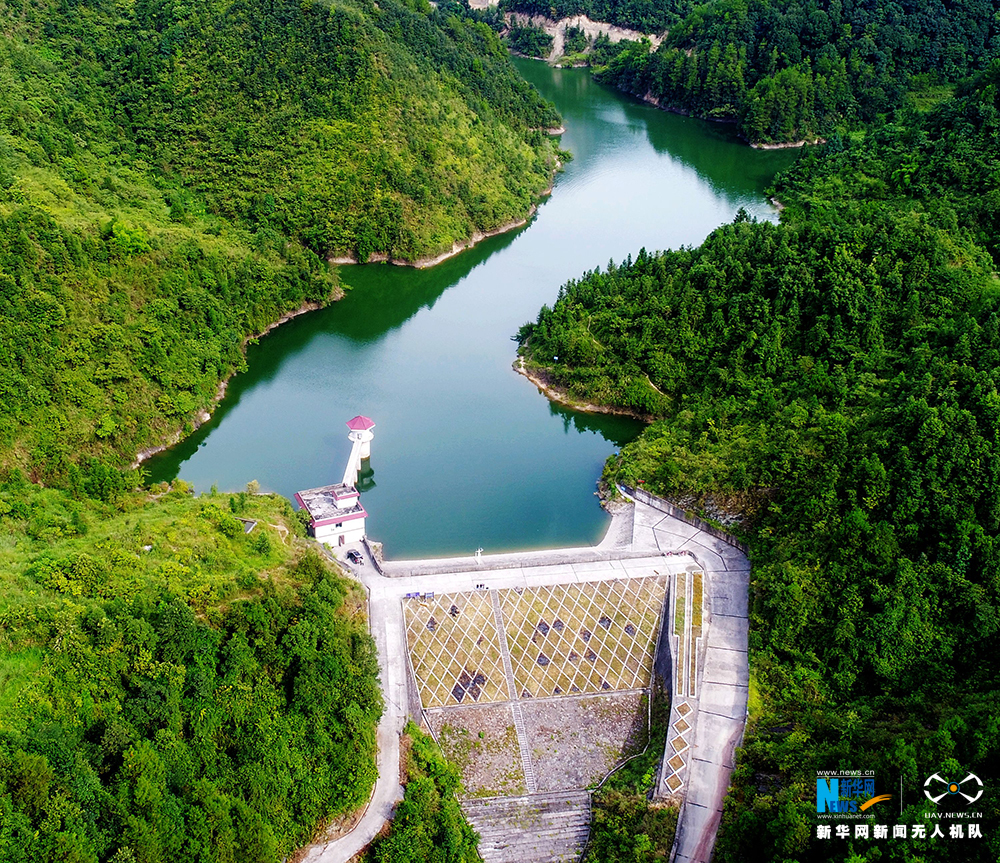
point(530, 784)
point(515, 708)
point(539, 828)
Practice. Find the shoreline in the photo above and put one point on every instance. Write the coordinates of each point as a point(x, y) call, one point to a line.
point(650, 99)
point(430, 261)
point(458, 246)
point(205, 413)
point(789, 145)
point(557, 394)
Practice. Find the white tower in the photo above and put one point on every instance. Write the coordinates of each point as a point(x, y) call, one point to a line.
point(361, 436)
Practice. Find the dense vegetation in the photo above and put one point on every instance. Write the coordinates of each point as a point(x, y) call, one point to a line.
point(337, 126)
point(111, 338)
point(786, 70)
point(174, 176)
point(576, 41)
point(428, 826)
point(834, 379)
point(171, 688)
point(625, 826)
point(529, 40)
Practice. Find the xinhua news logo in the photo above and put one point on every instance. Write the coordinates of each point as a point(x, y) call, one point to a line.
point(843, 798)
point(847, 793)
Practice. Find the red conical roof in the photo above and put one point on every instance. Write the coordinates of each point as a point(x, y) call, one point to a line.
point(360, 423)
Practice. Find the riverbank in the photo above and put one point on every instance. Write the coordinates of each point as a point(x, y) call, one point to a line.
point(788, 145)
point(205, 414)
point(554, 392)
point(456, 247)
point(650, 99)
point(460, 246)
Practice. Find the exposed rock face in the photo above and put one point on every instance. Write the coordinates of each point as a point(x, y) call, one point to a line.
point(557, 29)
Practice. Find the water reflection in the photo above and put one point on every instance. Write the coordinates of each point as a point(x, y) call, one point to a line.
point(381, 297)
point(366, 476)
point(614, 428)
point(712, 149)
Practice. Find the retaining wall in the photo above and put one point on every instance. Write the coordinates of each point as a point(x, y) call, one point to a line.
point(678, 513)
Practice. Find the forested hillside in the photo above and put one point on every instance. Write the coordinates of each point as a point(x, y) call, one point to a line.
point(833, 379)
point(786, 70)
point(349, 128)
point(173, 178)
point(171, 688)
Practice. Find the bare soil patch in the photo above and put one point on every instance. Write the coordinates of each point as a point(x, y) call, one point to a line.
point(482, 743)
point(575, 742)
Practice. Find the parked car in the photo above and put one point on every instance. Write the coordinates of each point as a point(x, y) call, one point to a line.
point(355, 557)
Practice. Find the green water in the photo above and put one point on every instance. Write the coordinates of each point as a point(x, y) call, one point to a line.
point(466, 452)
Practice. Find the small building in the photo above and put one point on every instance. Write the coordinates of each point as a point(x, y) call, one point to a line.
point(336, 516)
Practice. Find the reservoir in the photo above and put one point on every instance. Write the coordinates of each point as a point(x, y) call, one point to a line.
point(467, 453)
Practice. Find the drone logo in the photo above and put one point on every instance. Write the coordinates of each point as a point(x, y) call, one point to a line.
point(954, 788)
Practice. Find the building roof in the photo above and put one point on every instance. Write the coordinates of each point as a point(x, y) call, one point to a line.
point(360, 423)
point(321, 503)
point(351, 514)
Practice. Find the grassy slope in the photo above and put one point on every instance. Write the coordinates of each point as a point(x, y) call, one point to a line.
point(163, 698)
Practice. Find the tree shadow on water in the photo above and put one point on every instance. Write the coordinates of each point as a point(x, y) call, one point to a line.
point(616, 429)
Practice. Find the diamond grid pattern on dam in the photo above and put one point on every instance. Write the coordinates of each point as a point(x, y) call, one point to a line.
point(583, 638)
point(570, 639)
point(455, 649)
